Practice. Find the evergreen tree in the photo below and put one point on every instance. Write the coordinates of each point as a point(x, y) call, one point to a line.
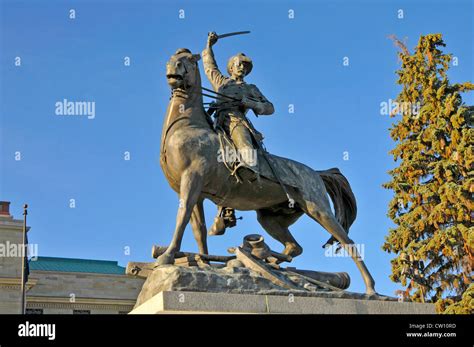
point(433, 185)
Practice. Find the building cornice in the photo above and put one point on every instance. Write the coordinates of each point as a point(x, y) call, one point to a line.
point(15, 283)
point(12, 225)
point(80, 303)
point(44, 272)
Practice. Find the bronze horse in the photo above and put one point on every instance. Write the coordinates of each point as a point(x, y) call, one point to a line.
point(188, 157)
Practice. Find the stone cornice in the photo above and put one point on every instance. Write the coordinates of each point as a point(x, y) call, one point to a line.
point(12, 225)
point(95, 274)
point(15, 283)
point(79, 303)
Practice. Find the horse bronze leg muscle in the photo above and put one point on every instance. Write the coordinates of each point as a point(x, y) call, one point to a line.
point(276, 225)
point(318, 208)
point(198, 223)
point(189, 194)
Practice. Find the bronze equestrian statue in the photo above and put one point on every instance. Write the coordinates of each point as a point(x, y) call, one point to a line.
point(188, 157)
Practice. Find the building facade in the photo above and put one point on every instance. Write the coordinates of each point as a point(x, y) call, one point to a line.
point(60, 285)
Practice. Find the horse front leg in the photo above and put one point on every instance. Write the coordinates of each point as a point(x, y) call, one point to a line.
point(189, 195)
point(198, 223)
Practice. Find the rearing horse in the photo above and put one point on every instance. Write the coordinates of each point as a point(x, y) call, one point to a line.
point(189, 160)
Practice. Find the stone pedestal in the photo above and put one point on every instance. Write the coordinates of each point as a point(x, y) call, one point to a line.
point(176, 289)
point(172, 302)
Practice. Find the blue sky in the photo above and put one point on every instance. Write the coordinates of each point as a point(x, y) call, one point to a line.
point(297, 61)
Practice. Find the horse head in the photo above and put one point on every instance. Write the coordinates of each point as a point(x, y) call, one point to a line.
point(182, 70)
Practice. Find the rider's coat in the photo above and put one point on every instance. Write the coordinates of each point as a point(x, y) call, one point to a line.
point(231, 114)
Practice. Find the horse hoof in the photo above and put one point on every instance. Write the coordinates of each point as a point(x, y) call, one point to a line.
point(371, 292)
point(215, 232)
point(293, 250)
point(164, 259)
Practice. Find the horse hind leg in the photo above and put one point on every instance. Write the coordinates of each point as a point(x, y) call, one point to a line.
point(276, 225)
point(323, 215)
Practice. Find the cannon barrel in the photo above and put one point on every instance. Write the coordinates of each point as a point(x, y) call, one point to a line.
point(339, 280)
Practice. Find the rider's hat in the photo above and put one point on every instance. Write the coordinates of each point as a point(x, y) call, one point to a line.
point(241, 57)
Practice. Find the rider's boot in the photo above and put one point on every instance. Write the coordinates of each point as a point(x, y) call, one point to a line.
point(225, 219)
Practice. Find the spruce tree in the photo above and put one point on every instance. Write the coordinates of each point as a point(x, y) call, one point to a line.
point(433, 184)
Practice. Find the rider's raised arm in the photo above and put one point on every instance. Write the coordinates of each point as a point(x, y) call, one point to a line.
point(259, 103)
point(216, 78)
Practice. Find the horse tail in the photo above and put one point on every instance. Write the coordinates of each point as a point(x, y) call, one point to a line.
point(342, 197)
